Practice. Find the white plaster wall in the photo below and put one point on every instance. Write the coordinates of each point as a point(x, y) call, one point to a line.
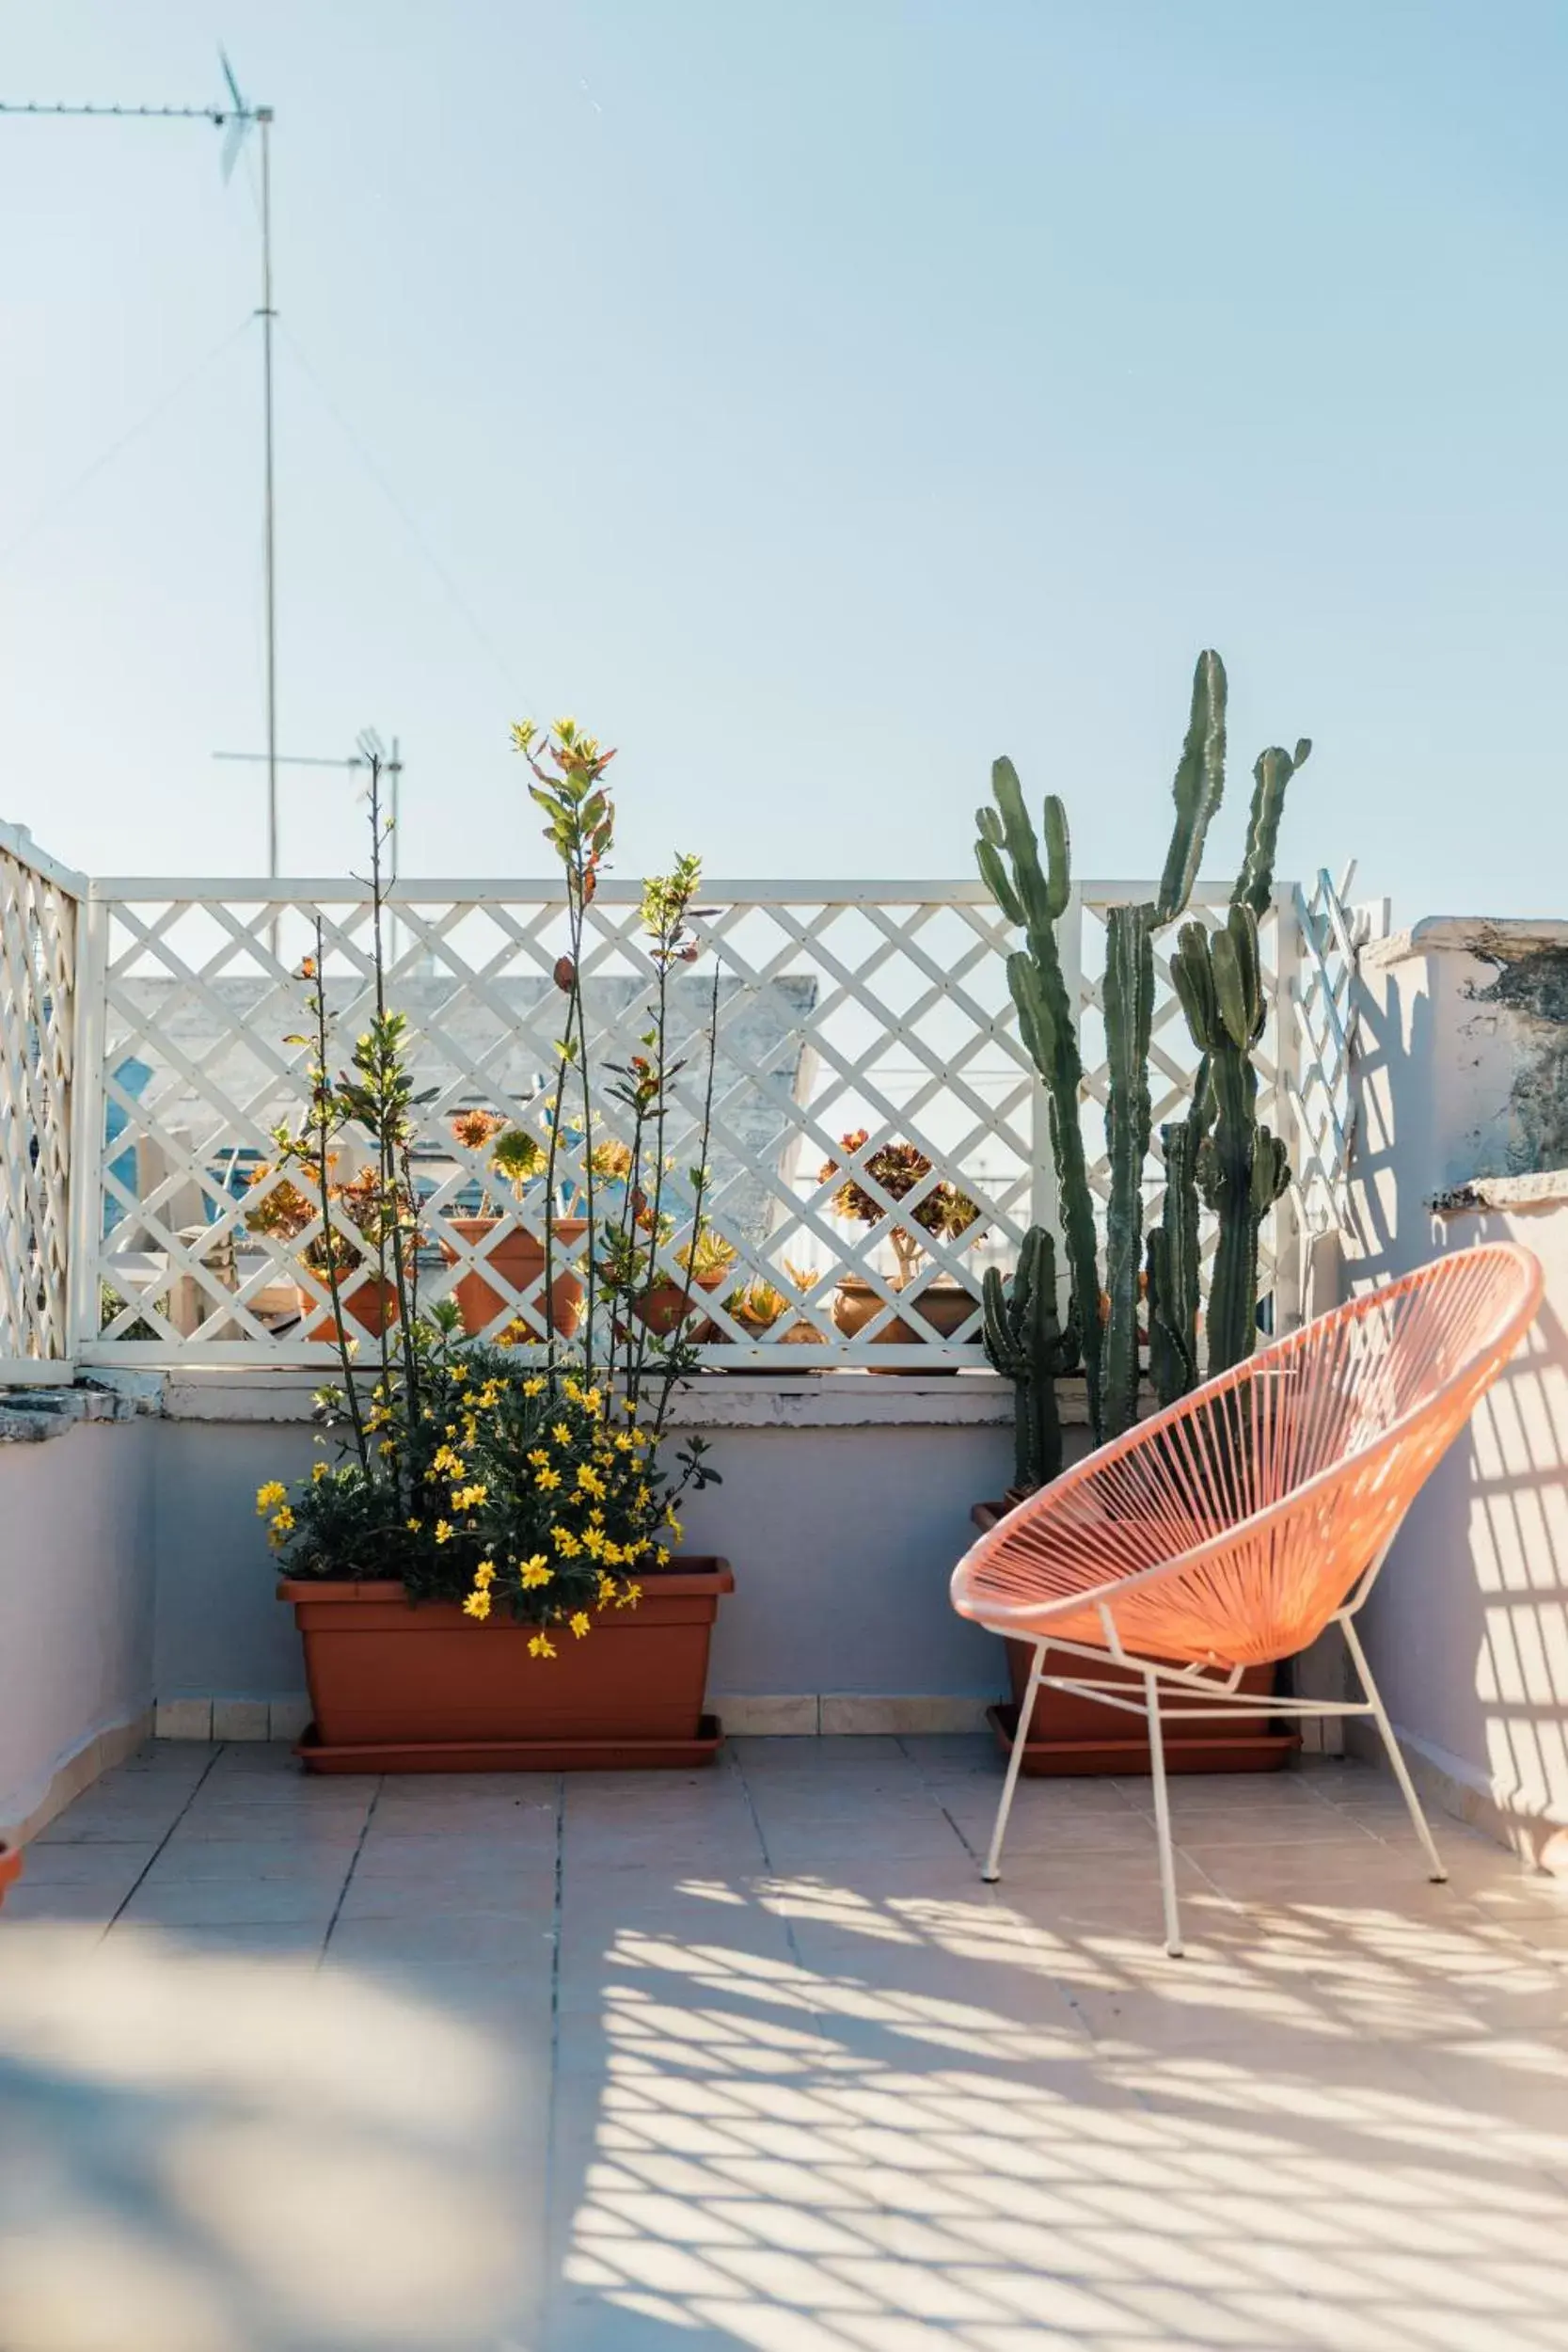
point(1467, 1629)
point(76, 1605)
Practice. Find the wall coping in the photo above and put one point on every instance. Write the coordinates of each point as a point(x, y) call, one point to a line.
point(1482, 935)
point(838, 1399)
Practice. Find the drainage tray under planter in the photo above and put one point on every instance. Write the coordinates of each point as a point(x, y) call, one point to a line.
point(1185, 1751)
point(515, 1755)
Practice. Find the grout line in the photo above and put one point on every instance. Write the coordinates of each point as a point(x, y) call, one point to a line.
point(353, 1865)
point(168, 1833)
point(553, 2095)
point(920, 1774)
point(739, 1771)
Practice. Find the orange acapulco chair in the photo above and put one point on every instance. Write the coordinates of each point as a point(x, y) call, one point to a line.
point(1231, 1529)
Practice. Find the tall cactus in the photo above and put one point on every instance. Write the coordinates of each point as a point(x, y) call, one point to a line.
point(1027, 1346)
point(1240, 1186)
point(1242, 1169)
point(1174, 1256)
point(1035, 899)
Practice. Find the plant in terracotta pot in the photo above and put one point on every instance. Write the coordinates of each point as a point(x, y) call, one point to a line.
point(894, 1181)
point(525, 1500)
point(1135, 1295)
point(705, 1263)
point(760, 1306)
point(514, 1251)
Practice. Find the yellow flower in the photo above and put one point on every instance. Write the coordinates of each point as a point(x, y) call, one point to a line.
point(459, 1374)
point(320, 1470)
point(580, 1622)
point(565, 1543)
point(607, 1586)
point(469, 1498)
point(539, 1458)
point(443, 1533)
point(673, 1524)
point(561, 1435)
point(591, 1401)
point(573, 1390)
point(448, 1461)
point(388, 1445)
point(283, 1518)
point(541, 1646)
point(273, 1492)
point(620, 1441)
point(548, 1478)
point(594, 1542)
point(534, 1386)
point(413, 1526)
point(478, 1603)
point(589, 1482)
point(484, 1574)
point(535, 1572)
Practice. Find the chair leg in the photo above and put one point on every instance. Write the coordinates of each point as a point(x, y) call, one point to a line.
point(1401, 1771)
point(992, 1870)
point(1161, 1816)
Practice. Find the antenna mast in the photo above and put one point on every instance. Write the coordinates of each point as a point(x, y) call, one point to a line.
point(235, 118)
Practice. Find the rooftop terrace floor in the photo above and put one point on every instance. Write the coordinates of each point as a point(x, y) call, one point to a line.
point(751, 2058)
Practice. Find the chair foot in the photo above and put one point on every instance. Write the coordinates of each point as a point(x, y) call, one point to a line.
point(1437, 1878)
point(989, 1878)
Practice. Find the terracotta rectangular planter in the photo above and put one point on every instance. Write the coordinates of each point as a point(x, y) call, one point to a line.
point(396, 1687)
point(1070, 1735)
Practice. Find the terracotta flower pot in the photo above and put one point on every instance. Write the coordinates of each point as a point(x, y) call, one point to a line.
point(945, 1306)
point(668, 1304)
point(366, 1299)
point(518, 1259)
point(1069, 1735)
point(399, 1689)
point(11, 1866)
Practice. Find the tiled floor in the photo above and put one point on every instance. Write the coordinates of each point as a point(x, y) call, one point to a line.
point(751, 2058)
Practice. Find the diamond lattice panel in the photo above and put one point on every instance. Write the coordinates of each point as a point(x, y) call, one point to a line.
point(37, 953)
point(839, 1008)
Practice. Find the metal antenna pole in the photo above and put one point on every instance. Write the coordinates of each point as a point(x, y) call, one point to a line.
point(264, 115)
point(394, 769)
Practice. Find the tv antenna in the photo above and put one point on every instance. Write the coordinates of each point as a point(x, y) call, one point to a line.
point(235, 118)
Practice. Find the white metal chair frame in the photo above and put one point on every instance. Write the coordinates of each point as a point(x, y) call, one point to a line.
point(1220, 1696)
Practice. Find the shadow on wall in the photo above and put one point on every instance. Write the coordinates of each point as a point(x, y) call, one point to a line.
point(1467, 1628)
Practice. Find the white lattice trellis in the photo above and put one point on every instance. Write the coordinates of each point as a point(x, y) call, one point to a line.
point(144, 1042)
point(37, 964)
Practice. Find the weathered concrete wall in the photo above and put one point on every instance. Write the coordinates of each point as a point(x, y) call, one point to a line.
point(843, 1509)
point(1462, 1116)
point(76, 1596)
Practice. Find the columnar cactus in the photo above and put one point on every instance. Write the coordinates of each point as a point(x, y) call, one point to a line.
point(1026, 1344)
point(1241, 1168)
point(1193, 1163)
point(1035, 899)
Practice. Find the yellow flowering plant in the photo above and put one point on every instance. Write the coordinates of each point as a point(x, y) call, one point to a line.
point(530, 1483)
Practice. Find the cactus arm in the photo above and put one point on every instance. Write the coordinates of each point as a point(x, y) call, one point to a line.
point(1036, 895)
point(1025, 1345)
point(1129, 1015)
point(1272, 773)
point(1174, 1259)
point(1199, 789)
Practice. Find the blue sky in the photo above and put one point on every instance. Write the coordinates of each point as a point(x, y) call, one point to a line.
point(817, 400)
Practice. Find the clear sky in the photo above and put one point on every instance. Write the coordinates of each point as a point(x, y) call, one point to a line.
point(816, 399)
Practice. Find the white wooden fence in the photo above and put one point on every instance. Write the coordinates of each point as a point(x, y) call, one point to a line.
point(145, 1065)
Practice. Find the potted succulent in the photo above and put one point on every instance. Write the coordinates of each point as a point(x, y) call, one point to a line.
point(759, 1306)
point(486, 1576)
point(900, 1172)
point(514, 1253)
point(284, 1212)
point(705, 1262)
